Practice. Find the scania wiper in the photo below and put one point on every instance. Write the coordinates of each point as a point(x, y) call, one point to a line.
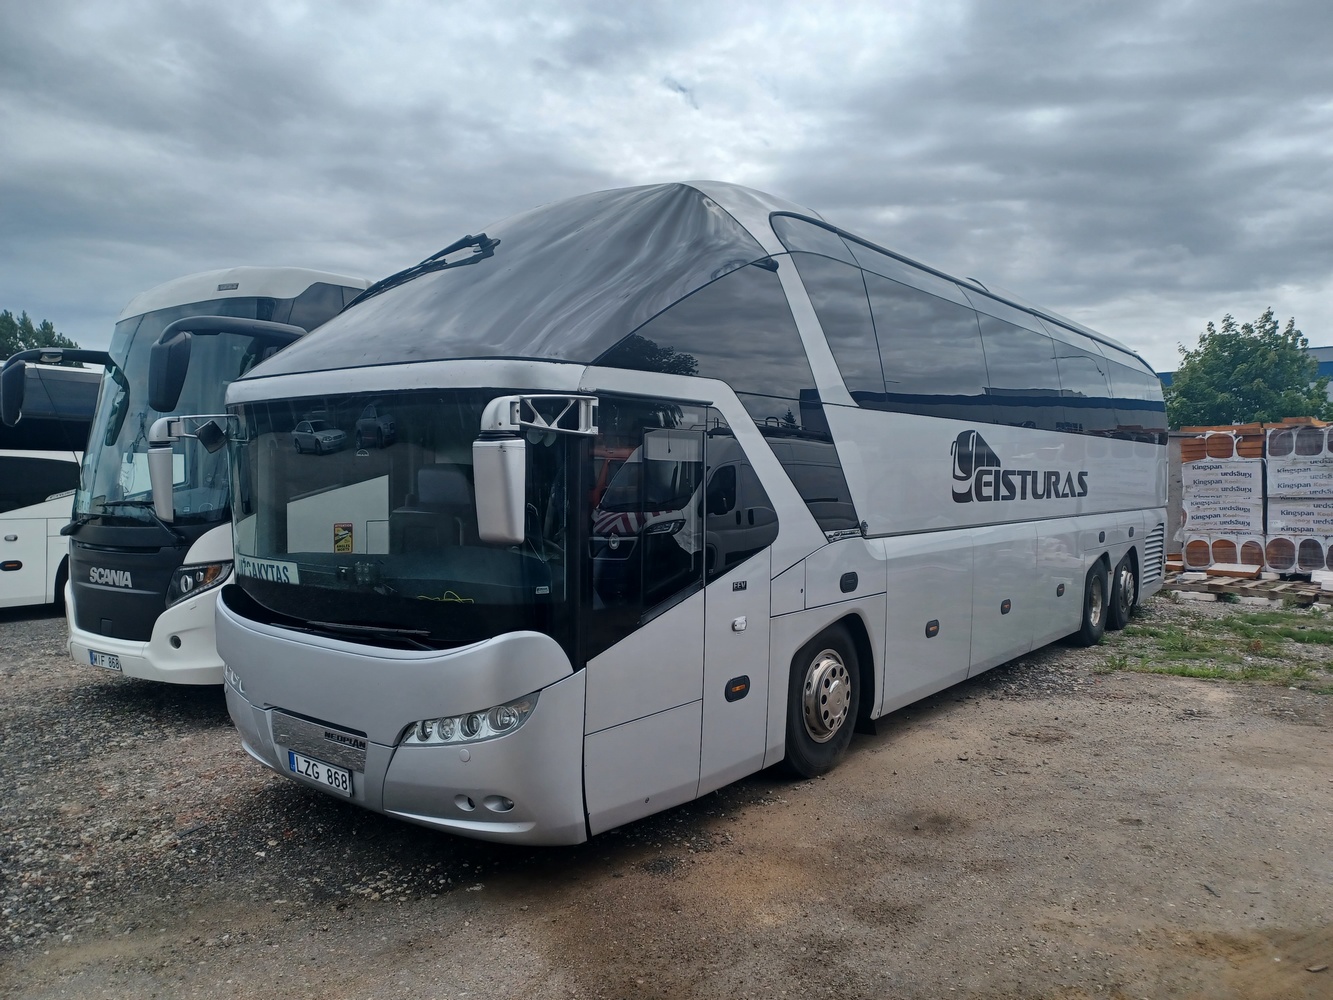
point(146, 505)
point(484, 246)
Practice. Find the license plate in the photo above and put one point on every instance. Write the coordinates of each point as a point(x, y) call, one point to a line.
point(336, 779)
point(108, 660)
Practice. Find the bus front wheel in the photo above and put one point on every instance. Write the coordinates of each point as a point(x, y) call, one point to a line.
point(822, 702)
point(1095, 608)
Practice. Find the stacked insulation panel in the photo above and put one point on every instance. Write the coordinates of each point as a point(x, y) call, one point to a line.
point(1299, 499)
point(1222, 478)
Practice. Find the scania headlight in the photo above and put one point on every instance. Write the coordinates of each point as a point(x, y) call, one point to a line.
point(190, 580)
point(474, 727)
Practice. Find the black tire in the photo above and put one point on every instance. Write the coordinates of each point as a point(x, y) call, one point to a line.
point(62, 578)
point(379, 437)
point(1124, 595)
point(296, 442)
point(360, 441)
point(1095, 607)
point(823, 698)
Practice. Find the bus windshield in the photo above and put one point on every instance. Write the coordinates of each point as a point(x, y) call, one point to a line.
point(358, 511)
point(113, 482)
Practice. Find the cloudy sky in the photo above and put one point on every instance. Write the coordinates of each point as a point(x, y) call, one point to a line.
point(1141, 166)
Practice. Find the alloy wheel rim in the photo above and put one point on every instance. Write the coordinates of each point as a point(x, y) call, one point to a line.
point(826, 696)
point(1096, 602)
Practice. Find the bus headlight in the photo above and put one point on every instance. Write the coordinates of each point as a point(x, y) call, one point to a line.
point(190, 580)
point(474, 727)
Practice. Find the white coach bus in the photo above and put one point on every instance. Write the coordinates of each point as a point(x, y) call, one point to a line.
point(39, 469)
point(138, 598)
point(683, 482)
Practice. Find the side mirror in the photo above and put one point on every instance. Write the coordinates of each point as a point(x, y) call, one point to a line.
point(499, 472)
point(212, 436)
point(159, 476)
point(11, 392)
point(499, 456)
point(168, 363)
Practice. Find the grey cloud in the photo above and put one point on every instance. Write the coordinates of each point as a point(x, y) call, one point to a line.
point(1087, 155)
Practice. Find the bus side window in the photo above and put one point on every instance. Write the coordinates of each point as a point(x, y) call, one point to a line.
point(838, 294)
point(930, 349)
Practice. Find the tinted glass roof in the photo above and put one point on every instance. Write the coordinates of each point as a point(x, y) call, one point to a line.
point(567, 282)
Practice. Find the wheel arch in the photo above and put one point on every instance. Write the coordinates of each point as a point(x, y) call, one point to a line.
point(854, 625)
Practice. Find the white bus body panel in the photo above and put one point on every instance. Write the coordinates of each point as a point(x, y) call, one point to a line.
point(25, 543)
point(193, 658)
point(899, 470)
point(31, 537)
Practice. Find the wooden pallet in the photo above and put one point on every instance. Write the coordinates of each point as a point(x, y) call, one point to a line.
point(1300, 591)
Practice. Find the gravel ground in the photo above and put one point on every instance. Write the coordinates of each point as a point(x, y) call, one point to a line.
point(1046, 830)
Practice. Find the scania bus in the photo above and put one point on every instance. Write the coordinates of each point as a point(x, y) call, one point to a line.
point(138, 599)
point(39, 469)
point(847, 480)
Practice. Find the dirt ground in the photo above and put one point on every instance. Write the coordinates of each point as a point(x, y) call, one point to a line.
point(1048, 830)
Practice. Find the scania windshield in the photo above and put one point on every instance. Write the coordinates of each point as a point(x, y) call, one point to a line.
point(114, 479)
point(384, 537)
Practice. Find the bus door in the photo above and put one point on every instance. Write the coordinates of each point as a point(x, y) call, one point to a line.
point(645, 623)
point(741, 525)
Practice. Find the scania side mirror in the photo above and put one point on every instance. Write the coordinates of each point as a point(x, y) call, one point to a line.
point(169, 359)
point(499, 456)
point(164, 433)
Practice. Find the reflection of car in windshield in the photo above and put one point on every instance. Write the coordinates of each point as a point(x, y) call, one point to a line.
point(645, 535)
point(374, 428)
point(658, 521)
point(318, 436)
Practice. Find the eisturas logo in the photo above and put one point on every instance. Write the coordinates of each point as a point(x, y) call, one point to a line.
point(978, 468)
point(109, 577)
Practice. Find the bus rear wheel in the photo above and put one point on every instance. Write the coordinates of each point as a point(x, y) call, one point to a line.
point(822, 701)
point(1094, 608)
point(1124, 590)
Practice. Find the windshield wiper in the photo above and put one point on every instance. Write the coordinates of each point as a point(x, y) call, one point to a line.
point(139, 505)
point(411, 636)
point(484, 246)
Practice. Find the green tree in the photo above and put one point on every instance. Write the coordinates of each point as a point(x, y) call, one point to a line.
point(21, 335)
point(1245, 373)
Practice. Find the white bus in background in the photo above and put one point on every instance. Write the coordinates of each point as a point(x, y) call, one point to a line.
point(845, 481)
point(39, 469)
point(138, 594)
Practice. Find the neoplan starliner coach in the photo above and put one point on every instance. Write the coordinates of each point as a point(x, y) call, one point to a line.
point(683, 482)
point(139, 594)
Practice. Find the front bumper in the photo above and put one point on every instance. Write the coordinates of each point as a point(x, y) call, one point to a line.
point(526, 787)
point(181, 650)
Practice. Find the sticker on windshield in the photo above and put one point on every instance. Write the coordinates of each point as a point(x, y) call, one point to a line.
point(267, 569)
point(342, 537)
